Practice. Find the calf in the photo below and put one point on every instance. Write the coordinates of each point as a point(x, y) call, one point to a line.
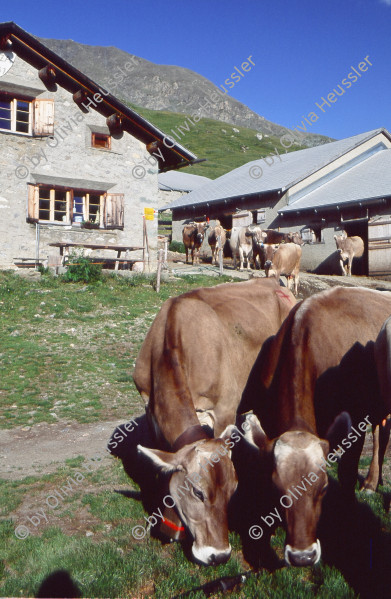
point(213, 239)
point(193, 236)
point(319, 367)
point(283, 259)
point(348, 248)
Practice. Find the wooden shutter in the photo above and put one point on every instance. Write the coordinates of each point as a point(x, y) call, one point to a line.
point(114, 211)
point(32, 203)
point(43, 117)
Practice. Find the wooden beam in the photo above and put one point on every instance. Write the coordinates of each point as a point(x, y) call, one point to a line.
point(115, 123)
point(153, 146)
point(6, 42)
point(47, 75)
point(79, 97)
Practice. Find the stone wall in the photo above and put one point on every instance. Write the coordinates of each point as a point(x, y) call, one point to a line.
point(68, 160)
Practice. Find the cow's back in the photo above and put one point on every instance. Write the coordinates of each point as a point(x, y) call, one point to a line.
point(200, 350)
point(322, 352)
point(287, 258)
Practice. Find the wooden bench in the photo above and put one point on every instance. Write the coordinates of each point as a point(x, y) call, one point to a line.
point(27, 262)
point(110, 261)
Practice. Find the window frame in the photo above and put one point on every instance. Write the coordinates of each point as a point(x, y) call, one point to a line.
point(14, 99)
point(94, 135)
point(110, 207)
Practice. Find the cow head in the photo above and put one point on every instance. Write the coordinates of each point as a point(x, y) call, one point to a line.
point(202, 482)
point(199, 232)
point(269, 250)
point(258, 236)
point(300, 477)
point(296, 238)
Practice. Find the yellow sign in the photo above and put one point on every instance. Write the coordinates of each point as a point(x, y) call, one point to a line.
point(149, 213)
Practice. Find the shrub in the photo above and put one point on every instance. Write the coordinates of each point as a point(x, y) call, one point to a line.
point(81, 269)
point(177, 246)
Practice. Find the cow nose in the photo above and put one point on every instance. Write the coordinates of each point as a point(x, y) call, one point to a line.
point(219, 558)
point(210, 556)
point(268, 263)
point(302, 558)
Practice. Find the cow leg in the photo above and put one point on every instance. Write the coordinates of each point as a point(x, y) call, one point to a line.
point(241, 258)
point(384, 437)
point(187, 254)
point(296, 282)
point(372, 479)
point(381, 437)
point(248, 257)
point(192, 255)
point(349, 267)
point(342, 268)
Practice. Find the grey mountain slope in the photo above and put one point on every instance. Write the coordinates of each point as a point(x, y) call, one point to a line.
point(161, 87)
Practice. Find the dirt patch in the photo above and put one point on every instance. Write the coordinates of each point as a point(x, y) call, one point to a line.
point(39, 449)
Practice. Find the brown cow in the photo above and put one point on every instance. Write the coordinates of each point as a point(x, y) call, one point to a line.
point(272, 236)
point(213, 240)
point(348, 248)
point(192, 368)
point(258, 238)
point(193, 236)
point(283, 259)
point(320, 363)
point(381, 430)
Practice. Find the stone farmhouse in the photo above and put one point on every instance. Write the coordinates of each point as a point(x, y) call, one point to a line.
point(77, 165)
point(342, 185)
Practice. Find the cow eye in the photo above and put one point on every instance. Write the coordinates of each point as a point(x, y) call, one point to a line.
point(199, 494)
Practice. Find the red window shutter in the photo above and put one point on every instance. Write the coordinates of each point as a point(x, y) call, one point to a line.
point(32, 203)
point(43, 117)
point(114, 211)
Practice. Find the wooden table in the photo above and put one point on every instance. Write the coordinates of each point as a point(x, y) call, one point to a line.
point(64, 250)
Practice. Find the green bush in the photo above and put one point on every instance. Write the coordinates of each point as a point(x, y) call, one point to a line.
point(177, 246)
point(81, 269)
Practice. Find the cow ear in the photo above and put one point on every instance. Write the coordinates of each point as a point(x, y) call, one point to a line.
point(162, 460)
point(339, 429)
point(254, 433)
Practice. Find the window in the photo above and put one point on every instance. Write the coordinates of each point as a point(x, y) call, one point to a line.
point(15, 115)
point(93, 209)
point(312, 234)
point(28, 117)
point(101, 140)
point(259, 216)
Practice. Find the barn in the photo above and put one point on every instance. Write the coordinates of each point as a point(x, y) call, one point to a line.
point(78, 165)
point(341, 185)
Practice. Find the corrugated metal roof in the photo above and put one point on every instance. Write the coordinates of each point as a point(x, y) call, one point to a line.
point(369, 179)
point(180, 181)
point(284, 171)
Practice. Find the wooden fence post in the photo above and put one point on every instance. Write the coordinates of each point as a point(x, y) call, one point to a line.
point(159, 270)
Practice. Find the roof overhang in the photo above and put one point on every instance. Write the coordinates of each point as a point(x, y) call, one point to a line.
point(223, 204)
point(337, 207)
point(53, 70)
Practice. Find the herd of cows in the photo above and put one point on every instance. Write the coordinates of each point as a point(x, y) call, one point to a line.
point(276, 252)
point(304, 375)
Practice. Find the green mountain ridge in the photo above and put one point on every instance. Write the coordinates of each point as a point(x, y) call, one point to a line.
point(224, 146)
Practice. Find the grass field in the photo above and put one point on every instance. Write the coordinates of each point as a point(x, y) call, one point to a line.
point(67, 353)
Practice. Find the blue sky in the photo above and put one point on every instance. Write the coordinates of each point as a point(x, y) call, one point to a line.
point(301, 49)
